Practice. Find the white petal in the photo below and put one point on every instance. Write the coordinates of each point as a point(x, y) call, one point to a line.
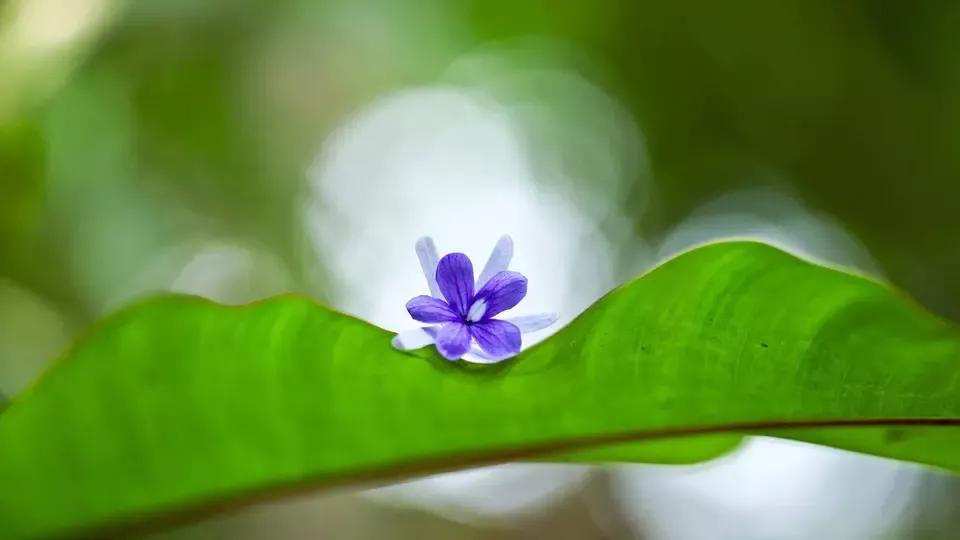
point(478, 356)
point(532, 323)
point(427, 253)
point(499, 260)
point(409, 340)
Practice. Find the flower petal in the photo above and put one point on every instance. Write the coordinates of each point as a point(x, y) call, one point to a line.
point(502, 292)
point(532, 323)
point(427, 253)
point(499, 339)
point(478, 356)
point(415, 338)
point(455, 278)
point(499, 260)
point(453, 340)
point(430, 310)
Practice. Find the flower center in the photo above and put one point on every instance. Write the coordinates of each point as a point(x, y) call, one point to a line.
point(477, 310)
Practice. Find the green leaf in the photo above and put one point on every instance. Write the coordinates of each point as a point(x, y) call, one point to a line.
point(180, 406)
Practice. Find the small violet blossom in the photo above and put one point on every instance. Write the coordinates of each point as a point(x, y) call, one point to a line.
point(464, 309)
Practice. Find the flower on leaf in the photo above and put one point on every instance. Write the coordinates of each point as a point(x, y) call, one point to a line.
point(464, 310)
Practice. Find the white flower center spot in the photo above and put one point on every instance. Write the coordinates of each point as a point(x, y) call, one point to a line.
point(477, 310)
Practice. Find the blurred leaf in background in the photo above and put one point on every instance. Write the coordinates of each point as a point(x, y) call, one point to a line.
point(222, 105)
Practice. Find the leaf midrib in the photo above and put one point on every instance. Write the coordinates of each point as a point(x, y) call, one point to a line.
point(191, 511)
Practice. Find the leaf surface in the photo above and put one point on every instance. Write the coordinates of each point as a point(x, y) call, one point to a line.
point(179, 406)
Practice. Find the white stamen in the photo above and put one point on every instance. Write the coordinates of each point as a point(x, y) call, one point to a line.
point(477, 310)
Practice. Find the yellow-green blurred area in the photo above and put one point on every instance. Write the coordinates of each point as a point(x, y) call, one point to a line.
point(239, 149)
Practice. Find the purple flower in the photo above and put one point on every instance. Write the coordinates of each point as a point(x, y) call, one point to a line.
point(465, 309)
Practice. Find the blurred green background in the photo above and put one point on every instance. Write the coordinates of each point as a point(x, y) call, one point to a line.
point(136, 135)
